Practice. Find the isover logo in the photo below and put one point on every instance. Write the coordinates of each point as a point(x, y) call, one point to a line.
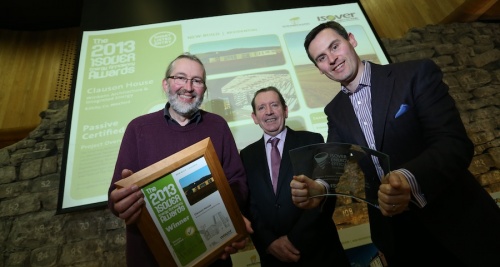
point(162, 39)
point(346, 16)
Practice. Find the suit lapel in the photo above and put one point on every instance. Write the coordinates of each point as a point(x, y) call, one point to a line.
point(286, 163)
point(382, 86)
point(350, 121)
point(261, 163)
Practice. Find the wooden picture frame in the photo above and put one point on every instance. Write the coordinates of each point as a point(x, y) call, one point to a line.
point(190, 216)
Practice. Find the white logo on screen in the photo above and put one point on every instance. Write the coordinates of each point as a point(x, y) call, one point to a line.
point(162, 39)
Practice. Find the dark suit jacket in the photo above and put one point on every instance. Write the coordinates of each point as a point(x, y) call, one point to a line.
point(272, 215)
point(430, 141)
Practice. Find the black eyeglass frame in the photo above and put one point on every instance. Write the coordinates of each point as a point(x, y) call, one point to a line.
point(181, 80)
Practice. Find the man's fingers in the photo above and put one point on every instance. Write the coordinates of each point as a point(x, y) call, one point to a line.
point(134, 217)
point(248, 225)
point(125, 198)
point(129, 210)
point(126, 173)
point(119, 194)
point(298, 182)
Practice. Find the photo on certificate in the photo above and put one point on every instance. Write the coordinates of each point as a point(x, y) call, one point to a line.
point(190, 214)
point(345, 168)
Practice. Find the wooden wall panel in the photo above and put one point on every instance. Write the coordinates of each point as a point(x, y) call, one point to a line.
point(393, 18)
point(33, 65)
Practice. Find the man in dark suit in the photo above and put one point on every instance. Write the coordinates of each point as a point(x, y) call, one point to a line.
point(285, 235)
point(432, 210)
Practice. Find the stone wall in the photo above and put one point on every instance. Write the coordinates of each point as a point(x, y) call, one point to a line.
point(32, 234)
point(469, 55)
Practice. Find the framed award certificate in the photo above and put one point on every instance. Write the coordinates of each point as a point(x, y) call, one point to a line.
point(190, 213)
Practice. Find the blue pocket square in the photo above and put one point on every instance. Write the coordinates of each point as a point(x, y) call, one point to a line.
point(402, 110)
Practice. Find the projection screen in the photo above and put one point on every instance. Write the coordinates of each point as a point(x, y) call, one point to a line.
point(120, 71)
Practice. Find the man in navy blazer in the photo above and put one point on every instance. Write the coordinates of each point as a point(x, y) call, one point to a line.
point(285, 235)
point(432, 210)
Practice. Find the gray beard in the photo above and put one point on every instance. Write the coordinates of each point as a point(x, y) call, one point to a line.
point(185, 110)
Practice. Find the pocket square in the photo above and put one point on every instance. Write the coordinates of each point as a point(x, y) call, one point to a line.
point(402, 110)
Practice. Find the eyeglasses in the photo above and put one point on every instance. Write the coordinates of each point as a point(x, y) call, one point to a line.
point(195, 82)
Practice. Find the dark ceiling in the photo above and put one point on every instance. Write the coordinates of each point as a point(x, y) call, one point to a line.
point(32, 15)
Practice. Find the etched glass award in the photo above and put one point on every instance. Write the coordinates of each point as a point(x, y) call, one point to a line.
point(346, 169)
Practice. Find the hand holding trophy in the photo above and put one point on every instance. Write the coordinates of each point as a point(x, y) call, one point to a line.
point(343, 170)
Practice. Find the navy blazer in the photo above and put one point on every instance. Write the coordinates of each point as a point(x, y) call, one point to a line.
point(428, 138)
point(272, 215)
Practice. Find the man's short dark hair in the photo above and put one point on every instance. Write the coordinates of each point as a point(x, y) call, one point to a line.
point(326, 25)
point(188, 56)
point(266, 89)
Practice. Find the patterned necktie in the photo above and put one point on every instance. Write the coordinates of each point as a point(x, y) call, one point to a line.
point(275, 161)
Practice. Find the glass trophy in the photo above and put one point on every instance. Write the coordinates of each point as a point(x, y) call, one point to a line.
point(347, 169)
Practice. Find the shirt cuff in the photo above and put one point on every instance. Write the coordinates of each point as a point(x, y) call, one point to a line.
point(417, 197)
point(325, 184)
